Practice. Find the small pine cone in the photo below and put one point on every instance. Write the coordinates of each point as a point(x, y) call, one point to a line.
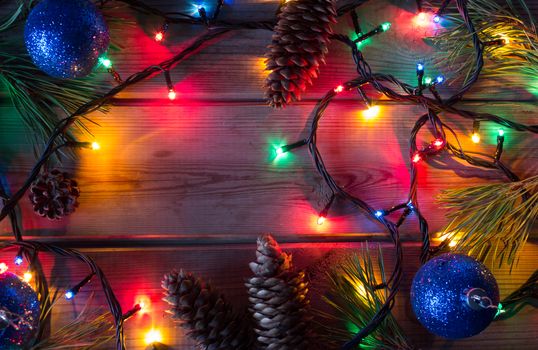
point(278, 299)
point(208, 317)
point(298, 49)
point(54, 194)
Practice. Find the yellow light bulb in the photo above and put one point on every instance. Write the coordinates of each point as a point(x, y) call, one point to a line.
point(153, 336)
point(475, 137)
point(371, 112)
point(96, 146)
point(27, 276)
point(452, 243)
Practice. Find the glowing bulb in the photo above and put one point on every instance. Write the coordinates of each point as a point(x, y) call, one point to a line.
point(420, 67)
point(506, 39)
point(422, 19)
point(339, 88)
point(159, 36)
point(279, 151)
point(417, 158)
point(27, 276)
point(385, 26)
point(440, 79)
point(3, 268)
point(475, 137)
point(18, 260)
point(321, 220)
point(153, 336)
point(501, 132)
point(452, 243)
point(378, 213)
point(438, 143)
point(69, 295)
point(171, 94)
point(427, 80)
point(371, 112)
point(105, 62)
point(96, 146)
point(436, 19)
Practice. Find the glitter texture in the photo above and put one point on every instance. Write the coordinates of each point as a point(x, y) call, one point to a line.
point(66, 37)
point(439, 300)
point(19, 308)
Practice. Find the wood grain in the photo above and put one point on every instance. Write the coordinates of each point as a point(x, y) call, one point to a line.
point(137, 273)
point(198, 175)
point(210, 168)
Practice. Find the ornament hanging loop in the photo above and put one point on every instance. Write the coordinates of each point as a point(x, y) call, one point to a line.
point(477, 299)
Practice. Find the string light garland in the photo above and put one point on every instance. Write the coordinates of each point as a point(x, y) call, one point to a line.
point(418, 95)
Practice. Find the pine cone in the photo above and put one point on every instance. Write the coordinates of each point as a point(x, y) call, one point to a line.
point(299, 47)
point(278, 299)
point(54, 194)
point(208, 317)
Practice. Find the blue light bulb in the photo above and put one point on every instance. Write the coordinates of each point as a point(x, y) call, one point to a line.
point(420, 67)
point(69, 295)
point(378, 213)
point(440, 79)
point(436, 19)
point(18, 260)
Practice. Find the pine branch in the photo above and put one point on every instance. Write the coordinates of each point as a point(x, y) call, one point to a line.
point(355, 294)
point(518, 56)
point(491, 221)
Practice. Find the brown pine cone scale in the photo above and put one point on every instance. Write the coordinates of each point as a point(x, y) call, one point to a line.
point(54, 194)
point(299, 46)
point(278, 299)
point(207, 316)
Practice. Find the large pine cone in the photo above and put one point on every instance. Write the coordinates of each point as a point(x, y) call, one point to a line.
point(54, 194)
point(208, 317)
point(299, 47)
point(278, 299)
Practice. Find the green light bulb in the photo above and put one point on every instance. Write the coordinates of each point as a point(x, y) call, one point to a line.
point(427, 80)
point(385, 26)
point(279, 151)
point(501, 132)
point(105, 62)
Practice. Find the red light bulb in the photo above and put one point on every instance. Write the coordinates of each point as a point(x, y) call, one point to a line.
point(159, 36)
point(321, 220)
point(339, 88)
point(438, 143)
point(171, 94)
point(417, 158)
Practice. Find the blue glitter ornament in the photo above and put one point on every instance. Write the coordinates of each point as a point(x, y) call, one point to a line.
point(19, 313)
point(454, 296)
point(66, 37)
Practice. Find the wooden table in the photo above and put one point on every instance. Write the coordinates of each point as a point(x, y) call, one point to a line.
point(191, 183)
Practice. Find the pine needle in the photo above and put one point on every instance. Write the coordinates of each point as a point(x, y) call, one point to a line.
point(491, 221)
point(355, 299)
point(91, 329)
point(40, 100)
point(492, 21)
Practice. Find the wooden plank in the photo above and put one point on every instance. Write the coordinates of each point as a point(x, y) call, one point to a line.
point(209, 169)
point(207, 75)
point(137, 273)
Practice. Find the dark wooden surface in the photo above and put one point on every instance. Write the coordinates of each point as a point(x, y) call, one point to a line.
point(198, 172)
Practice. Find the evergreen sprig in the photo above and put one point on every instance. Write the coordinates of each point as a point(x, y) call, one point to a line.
point(356, 293)
point(517, 57)
point(491, 221)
